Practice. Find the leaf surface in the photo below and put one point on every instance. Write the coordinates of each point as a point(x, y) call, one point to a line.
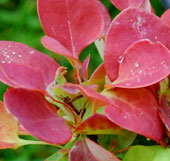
point(135, 110)
point(129, 26)
point(73, 23)
point(166, 17)
point(144, 63)
point(22, 66)
point(98, 124)
point(84, 69)
point(8, 129)
point(33, 112)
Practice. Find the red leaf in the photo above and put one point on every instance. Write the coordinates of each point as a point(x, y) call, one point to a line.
point(74, 23)
point(98, 124)
point(122, 4)
point(144, 63)
point(98, 77)
point(22, 66)
point(135, 110)
point(87, 150)
point(165, 112)
point(166, 17)
point(8, 129)
point(33, 112)
point(84, 69)
point(129, 26)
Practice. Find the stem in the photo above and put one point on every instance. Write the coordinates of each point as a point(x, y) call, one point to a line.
point(122, 150)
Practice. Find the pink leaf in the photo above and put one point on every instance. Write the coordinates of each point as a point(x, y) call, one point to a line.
point(165, 112)
point(166, 17)
point(88, 150)
point(129, 26)
point(122, 4)
point(22, 66)
point(106, 16)
point(74, 23)
point(84, 69)
point(144, 63)
point(98, 124)
point(135, 110)
point(33, 112)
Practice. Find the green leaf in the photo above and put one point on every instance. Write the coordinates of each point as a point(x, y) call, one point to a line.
point(126, 139)
point(140, 153)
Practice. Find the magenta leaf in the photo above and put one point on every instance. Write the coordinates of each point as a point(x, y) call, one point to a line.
point(22, 66)
point(84, 69)
point(122, 4)
point(165, 112)
point(98, 124)
point(74, 24)
point(166, 17)
point(33, 112)
point(144, 63)
point(88, 150)
point(131, 25)
point(135, 110)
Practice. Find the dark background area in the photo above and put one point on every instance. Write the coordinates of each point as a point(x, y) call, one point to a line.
point(19, 22)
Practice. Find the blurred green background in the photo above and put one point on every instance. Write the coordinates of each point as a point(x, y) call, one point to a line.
point(19, 22)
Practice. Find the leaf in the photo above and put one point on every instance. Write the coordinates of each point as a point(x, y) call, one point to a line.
point(162, 154)
point(144, 63)
point(8, 129)
point(122, 4)
point(69, 22)
point(98, 124)
point(129, 26)
point(33, 70)
point(165, 112)
point(88, 150)
point(166, 17)
point(126, 139)
point(98, 77)
point(84, 69)
point(135, 110)
point(140, 153)
point(33, 112)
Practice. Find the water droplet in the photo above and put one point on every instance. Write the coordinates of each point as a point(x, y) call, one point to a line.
point(8, 56)
point(19, 56)
point(13, 52)
point(3, 62)
point(9, 61)
point(125, 117)
point(140, 71)
point(156, 37)
point(127, 84)
point(120, 59)
point(162, 62)
point(9, 46)
point(141, 113)
point(136, 65)
point(138, 80)
point(31, 52)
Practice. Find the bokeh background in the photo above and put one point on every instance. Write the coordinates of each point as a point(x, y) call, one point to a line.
point(19, 22)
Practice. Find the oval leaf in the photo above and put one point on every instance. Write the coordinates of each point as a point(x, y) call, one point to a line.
point(135, 110)
point(144, 63)
point(129, 26)
point(22, 66)
point(33, 112)
point(69, 21)
point(98, 124)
